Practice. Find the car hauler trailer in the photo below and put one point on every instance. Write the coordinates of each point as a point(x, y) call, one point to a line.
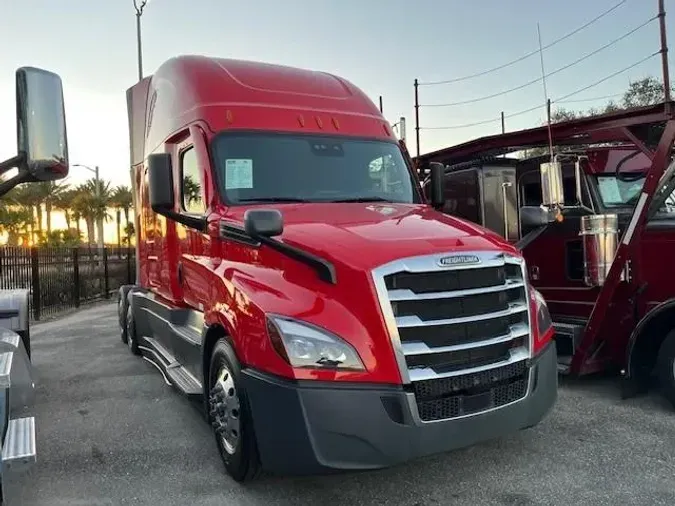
point(603, 265)
point(42, 155)
point(292, 278)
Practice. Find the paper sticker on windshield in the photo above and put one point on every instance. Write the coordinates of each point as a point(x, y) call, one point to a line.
point(238, 173)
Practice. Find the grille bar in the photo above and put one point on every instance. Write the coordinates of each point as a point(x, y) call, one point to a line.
point(415, 321)
point(405, 294)
point(420, 348)
point(427, 373)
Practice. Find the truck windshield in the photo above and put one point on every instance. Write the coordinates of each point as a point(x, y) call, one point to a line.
point(257, 167)
point(617, 193)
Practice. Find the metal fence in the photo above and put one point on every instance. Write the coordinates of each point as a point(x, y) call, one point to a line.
point(62, 278)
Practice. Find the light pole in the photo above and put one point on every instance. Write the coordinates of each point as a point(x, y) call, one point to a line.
point(139, 5)
point(97, 183)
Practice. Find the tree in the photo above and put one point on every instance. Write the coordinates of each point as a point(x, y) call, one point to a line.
point(647, 91)
point(13, 220)
point(122, 199)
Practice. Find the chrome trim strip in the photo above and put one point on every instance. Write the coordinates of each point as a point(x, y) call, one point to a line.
point(415, 321)
point(427, 373)
point(405, 294)
point(420, 348)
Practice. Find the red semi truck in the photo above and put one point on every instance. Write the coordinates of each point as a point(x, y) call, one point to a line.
point(293, 280)
point(604, 265)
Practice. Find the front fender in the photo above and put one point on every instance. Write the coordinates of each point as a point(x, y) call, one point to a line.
point(243, 294)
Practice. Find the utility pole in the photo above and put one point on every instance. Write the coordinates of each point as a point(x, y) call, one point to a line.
point(417, 117)
point(139, 5)
point(664, 50)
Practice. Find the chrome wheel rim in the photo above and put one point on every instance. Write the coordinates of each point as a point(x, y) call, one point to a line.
point(225, 410)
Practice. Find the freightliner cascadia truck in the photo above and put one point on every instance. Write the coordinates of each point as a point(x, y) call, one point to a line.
point(293, 280)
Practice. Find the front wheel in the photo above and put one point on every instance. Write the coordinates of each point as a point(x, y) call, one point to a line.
point(230, 415)
point(666, 367)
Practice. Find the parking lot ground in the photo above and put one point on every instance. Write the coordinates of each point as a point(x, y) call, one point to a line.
point(110, 431)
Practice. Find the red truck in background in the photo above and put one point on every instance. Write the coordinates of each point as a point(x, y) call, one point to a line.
point(604, 265)
point(293, 280)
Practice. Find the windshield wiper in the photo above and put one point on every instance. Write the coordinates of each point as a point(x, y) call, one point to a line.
point(274, 199)
point(363, 199)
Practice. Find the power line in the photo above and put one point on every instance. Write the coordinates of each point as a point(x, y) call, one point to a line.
point(594, 99)
point(528, 55)
point(554, 72)
point(558, 100)
point(608, 77)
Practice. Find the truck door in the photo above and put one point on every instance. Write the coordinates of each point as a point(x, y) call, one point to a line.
point(193, 262)
point(555, 259)
point(656, 254)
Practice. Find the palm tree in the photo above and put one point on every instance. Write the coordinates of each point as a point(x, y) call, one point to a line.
point(54, 192)
point(122, 199)
point(25, 196)
point(64, 203)
point(82, 209)
point(12, 220)
point(92, 203)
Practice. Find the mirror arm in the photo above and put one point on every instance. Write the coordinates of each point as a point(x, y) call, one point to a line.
point(527, 239)
point(6, 186)
point(15, 161)
point(323, 268)
point(196, 222)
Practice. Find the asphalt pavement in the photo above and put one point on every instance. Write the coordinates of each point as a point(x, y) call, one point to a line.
point(110, 431)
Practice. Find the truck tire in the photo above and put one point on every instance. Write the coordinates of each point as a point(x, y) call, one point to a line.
point(665, 367)
point(132, 338)
point(122, 304)
point(230, 415)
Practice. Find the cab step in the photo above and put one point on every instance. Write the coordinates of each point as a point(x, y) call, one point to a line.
point(173, 371)
point(19, 448)
point(184, 381)
point(568, 335)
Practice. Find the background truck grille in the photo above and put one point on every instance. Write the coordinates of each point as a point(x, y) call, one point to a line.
point(461, 330)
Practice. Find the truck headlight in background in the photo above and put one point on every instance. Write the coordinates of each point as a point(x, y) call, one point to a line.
point(305, 345)
point(544, 322)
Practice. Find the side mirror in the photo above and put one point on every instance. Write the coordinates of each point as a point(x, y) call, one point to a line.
point(436, 190)
point(263, 222)
point(41, 124)
point(552, 184)
point(160, 176)
point(534, 216)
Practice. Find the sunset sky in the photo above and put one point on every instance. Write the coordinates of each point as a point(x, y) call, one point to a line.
point(380, 45)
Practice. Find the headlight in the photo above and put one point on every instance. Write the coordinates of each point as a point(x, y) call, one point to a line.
point(304, 345)
point(544, 322)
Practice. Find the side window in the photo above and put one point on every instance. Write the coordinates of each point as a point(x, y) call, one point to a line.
point(191, 187)
point(462, 195)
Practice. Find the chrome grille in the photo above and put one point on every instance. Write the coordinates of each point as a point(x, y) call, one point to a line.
point(452, 317)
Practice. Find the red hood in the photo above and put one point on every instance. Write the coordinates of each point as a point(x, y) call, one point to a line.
point(366, 235)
